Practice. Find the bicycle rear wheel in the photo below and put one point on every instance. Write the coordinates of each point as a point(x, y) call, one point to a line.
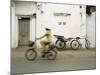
point(51, 55)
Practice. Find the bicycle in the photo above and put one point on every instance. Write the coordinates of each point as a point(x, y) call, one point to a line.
point(31, 53)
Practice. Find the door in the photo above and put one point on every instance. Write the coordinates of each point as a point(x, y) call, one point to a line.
point(24, 31)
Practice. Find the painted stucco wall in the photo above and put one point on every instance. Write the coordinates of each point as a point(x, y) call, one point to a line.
point(75, 23)
point(91, 29)
point(47, 19)
point(32, 28)
point(21, 8)
point(25, 7)
point(14, 27)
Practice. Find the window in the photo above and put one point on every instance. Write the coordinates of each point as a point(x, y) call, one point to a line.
point(59, 23)
point(64, 23)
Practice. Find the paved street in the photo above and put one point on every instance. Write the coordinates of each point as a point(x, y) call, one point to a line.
point(66, 60)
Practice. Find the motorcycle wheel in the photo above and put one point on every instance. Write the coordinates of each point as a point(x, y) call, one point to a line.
point(75, 44)
point(60, 44)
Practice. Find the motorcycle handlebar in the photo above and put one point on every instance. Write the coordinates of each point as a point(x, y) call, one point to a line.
point(58, 36)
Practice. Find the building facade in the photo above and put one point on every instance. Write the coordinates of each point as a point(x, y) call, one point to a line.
point(30, 18)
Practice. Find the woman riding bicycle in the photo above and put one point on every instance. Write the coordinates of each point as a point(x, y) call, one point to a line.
point(46, 41)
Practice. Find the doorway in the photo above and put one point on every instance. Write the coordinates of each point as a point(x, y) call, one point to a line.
point(24, 24)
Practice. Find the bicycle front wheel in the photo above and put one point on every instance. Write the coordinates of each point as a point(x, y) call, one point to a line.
point(87, 44)
point(30, 54)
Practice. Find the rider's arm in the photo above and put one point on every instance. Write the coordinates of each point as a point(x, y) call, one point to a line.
point(42, 36)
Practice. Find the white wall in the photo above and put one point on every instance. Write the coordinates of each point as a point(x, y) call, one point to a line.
point(83, 25)
point(25, 8)
point(32, 28)
point(91, 28)
point(14, 27)
point(21, 8)
point(75, 24)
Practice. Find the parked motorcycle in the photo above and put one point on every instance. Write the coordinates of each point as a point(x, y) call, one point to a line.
point(61, 42)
